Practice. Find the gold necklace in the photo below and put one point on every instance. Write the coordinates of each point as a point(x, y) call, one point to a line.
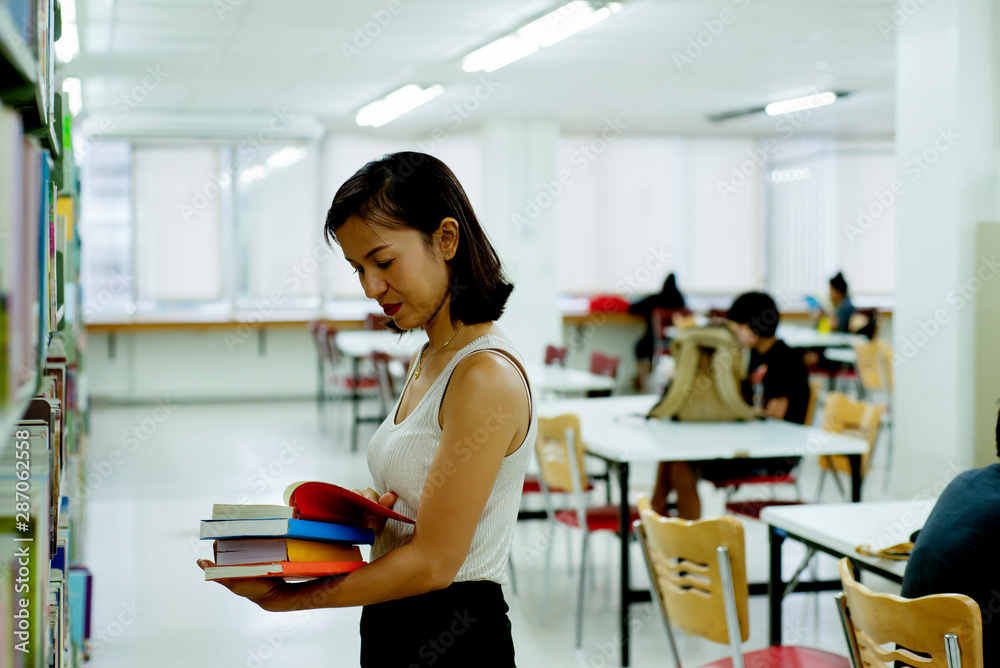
point(421, 365)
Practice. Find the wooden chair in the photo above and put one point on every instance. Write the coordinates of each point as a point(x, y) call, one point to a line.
point(560, 453)
point(874, 370)
point(843, 415)
point(555, 355)
point(375, 322)
point(939, 631)
point(698, 576)
point(604, 365)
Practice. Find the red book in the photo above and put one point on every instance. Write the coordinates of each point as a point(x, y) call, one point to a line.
point(325, 502)
point(283, 569)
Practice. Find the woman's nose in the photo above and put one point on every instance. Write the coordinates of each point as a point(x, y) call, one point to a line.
point(374, 285)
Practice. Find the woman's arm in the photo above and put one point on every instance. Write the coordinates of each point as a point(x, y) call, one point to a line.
point(484, 407)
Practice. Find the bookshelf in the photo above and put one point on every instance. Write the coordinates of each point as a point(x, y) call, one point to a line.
point(44, 587)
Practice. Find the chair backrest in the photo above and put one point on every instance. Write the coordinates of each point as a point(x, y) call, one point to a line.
point(333, 352)
point(844, 415)
point(815, 389)
point(320, 332)
point(604, 365)
point(874, 365)
point(882, 629)
point(555, 355)
point(707, 375)
point(375, 322)
point(560, 454)
point(689, 578)
point(386, 389)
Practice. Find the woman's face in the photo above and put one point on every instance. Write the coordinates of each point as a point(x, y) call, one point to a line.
point(397, 269)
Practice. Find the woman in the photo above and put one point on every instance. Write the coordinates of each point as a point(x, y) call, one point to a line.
point(669, 297)
point(453, 452)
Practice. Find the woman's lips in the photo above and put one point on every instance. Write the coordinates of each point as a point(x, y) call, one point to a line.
point(391, 310)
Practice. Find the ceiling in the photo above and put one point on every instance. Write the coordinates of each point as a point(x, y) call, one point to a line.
point(230, 59)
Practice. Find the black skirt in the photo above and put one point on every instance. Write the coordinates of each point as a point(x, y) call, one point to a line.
point(463, 625)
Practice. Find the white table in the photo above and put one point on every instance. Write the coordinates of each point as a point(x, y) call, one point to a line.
point(360, 344)
point(842, 355)
point(559, 379)
point(615, 430)
point(837, 529)
point(797, 336)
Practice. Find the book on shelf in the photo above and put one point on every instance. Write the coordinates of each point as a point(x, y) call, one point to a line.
point(285, 569)
point(270, 550)
point(287, 528)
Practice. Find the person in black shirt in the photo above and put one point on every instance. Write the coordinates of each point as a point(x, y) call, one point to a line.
point(956, 551)
point(784, 394)
point(669, 297)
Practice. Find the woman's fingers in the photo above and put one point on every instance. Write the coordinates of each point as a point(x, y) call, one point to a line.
point(387, 499)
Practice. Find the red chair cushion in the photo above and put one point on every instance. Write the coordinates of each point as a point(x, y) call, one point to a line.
point(767, 479)
point(786, 657)
point(361, 383)
point(599, 518)
point(533, 486)
point(753, 508)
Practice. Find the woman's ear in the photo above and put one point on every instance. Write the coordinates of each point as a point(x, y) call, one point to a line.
point(447, 234)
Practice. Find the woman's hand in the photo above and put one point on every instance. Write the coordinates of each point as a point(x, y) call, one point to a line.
point(262, 591)
point(372, 521)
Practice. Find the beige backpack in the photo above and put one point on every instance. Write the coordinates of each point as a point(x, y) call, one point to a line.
point(709, 369)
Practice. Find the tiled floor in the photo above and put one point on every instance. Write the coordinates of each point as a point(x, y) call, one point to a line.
point(155, 471)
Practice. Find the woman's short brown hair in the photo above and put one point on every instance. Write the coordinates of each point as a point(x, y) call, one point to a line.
point(416, 191)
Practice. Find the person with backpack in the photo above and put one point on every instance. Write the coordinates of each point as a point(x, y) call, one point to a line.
point(783, 380)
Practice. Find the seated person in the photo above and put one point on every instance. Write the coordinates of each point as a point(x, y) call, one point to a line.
point(840, 319)
point(668, 297)
point(956, 551)
point(784, 395)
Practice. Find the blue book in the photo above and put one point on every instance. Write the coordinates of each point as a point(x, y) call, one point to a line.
point(287, 528)
point(813, 303)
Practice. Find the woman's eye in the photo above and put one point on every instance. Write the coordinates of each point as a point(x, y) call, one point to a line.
point(384, 265)
point(359, 270)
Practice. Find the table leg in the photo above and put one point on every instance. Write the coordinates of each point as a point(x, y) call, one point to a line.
point(626, 582)
point(855, 461)
point(775, 585)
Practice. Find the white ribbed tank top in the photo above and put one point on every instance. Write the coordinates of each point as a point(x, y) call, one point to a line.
point(400, 456)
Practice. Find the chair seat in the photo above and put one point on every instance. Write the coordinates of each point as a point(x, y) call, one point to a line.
point(532, 485)
point(766, 479)
point(362, 383)
point(599, 518)
point(787, 657)
point(753, 508)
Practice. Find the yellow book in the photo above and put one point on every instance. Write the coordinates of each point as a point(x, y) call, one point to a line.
point(237, 551)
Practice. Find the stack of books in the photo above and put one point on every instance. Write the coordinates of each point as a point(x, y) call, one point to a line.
point(315, 534)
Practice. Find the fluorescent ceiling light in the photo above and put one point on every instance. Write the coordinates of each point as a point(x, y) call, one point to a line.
point(251, 174)
point(568, 20)
point(69, 42)
point(285, 157)
point(800, 103)
point(73, 89)
point(395, 104)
